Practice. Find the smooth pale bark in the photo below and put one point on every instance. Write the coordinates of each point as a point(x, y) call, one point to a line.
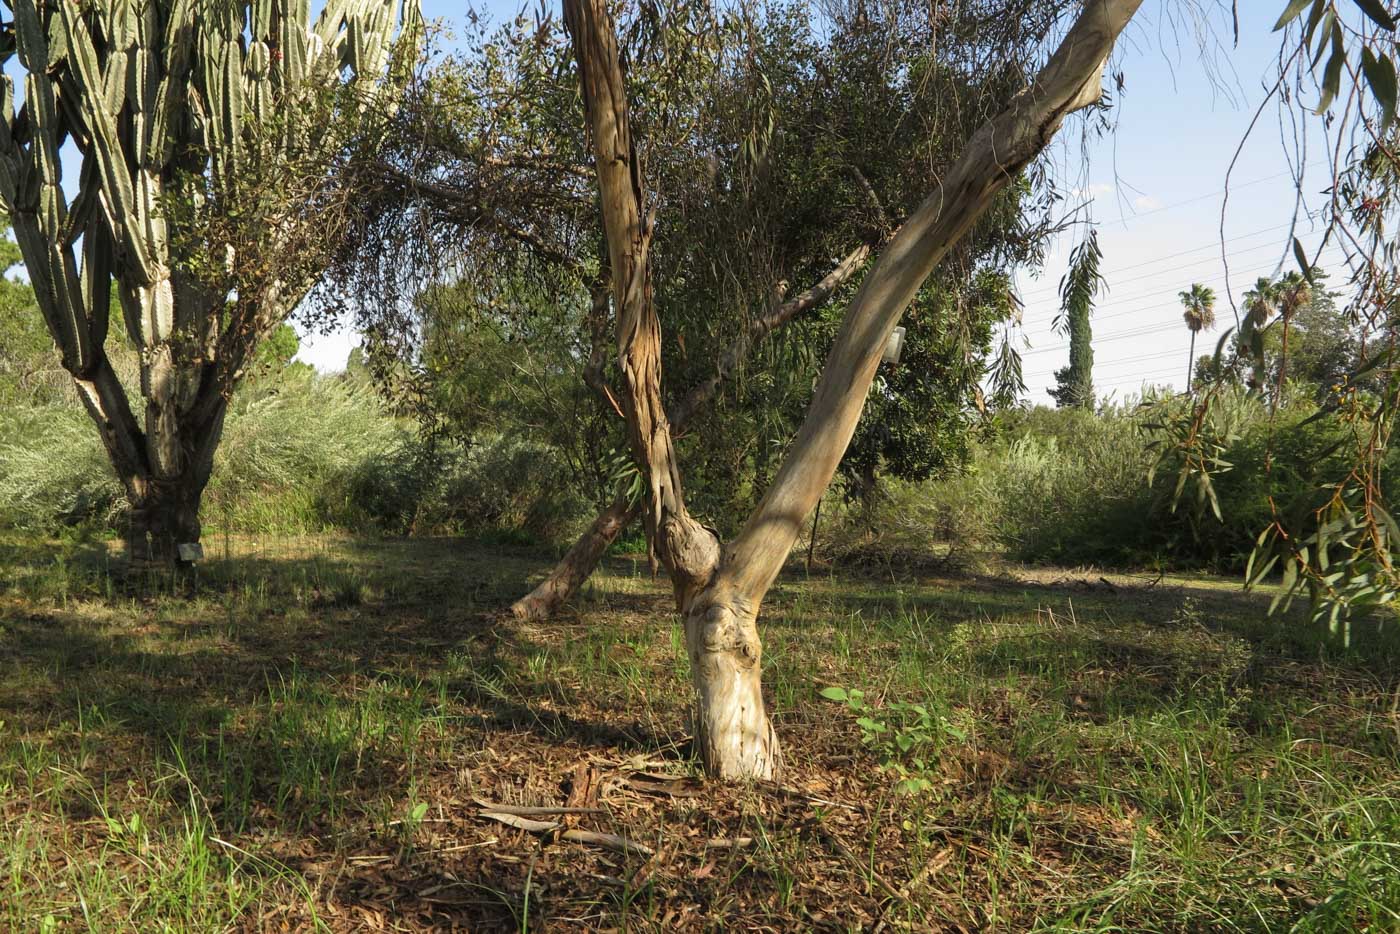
point(576, 566)
point(736, 737)
point(719, 596)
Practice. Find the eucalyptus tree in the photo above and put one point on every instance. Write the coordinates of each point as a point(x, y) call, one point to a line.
point(215, 141)
point(779, 155)
point(719, 588)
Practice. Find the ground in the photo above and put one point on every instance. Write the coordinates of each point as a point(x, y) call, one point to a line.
point(308, 735)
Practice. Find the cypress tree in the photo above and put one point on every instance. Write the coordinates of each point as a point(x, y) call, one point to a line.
point(1078, 288)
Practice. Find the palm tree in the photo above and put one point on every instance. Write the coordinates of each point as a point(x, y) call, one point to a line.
point(1199, 302)
point(1294, 292)
point(1261, 301)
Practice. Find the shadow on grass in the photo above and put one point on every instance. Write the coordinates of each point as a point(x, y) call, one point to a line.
point(284, 678)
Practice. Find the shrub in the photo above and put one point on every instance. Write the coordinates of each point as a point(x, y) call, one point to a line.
point(301, 453)
point(1068, 486)
point(53, 470)
point(504, 488)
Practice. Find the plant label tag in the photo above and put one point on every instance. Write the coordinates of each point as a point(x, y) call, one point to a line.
point(190, 551)
point(893, 347)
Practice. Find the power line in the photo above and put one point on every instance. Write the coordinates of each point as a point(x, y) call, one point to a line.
point(1139, 332)
point(1129, 219)
point(1213, 245)
point(1177, 268)
point(1114, 363)
point(1158, 305)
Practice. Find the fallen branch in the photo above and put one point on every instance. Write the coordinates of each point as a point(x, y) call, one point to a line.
point(506, 815)
point(522, 823)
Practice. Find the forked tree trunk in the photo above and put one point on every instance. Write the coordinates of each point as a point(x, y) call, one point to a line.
point(579, 563)
point(720, 594)
point(164, 468)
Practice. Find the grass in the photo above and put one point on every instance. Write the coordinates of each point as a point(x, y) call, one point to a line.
point(294, 740)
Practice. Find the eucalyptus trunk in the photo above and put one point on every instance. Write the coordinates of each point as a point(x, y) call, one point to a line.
point(719, 590)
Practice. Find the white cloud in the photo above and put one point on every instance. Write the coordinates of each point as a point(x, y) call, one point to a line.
point(1146, 203)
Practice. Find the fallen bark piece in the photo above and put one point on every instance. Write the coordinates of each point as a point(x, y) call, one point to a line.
point(729, 843)
point(677, 786)
point(506, 815)
point(584, 788)
point(521, 823)
point(523, 811)
point(608, 840)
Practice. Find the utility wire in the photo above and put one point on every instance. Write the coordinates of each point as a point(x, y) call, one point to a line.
point(1140, 309)
point(1213, 245)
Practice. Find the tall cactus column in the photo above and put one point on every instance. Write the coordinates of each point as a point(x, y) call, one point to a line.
point(180, 109)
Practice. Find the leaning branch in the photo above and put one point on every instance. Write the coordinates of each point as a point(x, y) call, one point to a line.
point(703, 392)
point(579, 563)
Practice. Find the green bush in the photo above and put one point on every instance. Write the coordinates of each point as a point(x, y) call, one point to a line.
point(300, 453)
point(53, 471)
point(1069, 486)
point(504, 488)
point(288, 444)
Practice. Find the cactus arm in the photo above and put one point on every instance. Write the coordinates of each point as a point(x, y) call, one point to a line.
point(41, 212)
point(170, 94)
point(117, 188)
point(105, 399)
point(293, 23)
point(97, 278)
point(30, 41)
point(9, 147)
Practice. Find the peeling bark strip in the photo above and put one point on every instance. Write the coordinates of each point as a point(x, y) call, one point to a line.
point(720, 598)
point(689, 551)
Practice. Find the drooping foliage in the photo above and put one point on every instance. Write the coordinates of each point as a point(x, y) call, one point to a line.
point(773, 150)
point(1341, 550)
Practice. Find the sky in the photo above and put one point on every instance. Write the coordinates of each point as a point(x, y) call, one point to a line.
point(1154, 187)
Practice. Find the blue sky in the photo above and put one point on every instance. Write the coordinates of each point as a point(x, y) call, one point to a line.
point(1155, 187)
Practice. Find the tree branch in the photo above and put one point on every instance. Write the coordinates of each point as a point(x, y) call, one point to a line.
point(761, 327)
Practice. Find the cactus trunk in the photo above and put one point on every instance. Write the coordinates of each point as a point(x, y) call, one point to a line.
point(167, 517)
point(192, 121)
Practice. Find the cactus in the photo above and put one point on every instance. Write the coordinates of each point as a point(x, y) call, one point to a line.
point(172, 102)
